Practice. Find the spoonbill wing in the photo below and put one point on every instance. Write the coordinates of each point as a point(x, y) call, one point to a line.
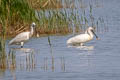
point(20, 37)
point(79, 39)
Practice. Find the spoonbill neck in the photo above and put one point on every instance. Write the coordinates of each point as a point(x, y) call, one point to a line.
point(32, 30)
point(90, 33)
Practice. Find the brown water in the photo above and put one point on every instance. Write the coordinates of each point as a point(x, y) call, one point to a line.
point(49, 58)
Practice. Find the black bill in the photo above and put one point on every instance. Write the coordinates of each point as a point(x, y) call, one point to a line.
point(94, 34)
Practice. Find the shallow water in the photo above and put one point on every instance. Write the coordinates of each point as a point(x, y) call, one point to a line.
point(59, 62)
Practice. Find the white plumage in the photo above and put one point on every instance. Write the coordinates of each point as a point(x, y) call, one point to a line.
point(23, 37)
point(82, 38)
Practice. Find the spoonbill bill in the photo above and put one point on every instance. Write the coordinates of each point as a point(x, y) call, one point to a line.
point(23, 37)
point(83, 38)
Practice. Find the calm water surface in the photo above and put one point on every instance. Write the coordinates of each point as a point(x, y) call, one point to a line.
point(58, 62)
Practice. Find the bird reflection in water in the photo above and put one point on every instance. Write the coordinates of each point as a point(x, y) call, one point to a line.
point(82, 47)
point(24, 58)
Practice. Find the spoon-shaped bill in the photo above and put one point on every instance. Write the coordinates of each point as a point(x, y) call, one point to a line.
point(95, 35)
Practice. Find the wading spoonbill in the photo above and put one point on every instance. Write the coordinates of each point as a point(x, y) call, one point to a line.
point(82, 38)
point(23, 37)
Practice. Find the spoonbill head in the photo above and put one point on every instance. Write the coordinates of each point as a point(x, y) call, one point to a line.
point(82, 38)
point(33, 24)
point(23, 37)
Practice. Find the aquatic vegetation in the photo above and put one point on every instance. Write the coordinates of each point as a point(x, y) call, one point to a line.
point(52, 22)
point(69, 18)
point(51, 16)
point(14, 14)
point(45, 4)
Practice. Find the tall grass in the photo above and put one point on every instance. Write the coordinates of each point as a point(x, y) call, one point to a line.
point(45, 4)
point(55, 16)
point(71, 17)
point(13, 13)
point(52, 21)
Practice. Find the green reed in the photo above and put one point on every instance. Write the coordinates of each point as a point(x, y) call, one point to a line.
point(53, 15)
point(52, 21)
point(2, 47)
point(12, 13)
point(15, 13)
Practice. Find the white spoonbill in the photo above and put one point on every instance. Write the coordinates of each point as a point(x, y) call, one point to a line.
point(23, 37)
point(82, 38)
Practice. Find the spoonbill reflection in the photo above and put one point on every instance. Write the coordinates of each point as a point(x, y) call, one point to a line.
point(82, 38)
point(23, 37)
